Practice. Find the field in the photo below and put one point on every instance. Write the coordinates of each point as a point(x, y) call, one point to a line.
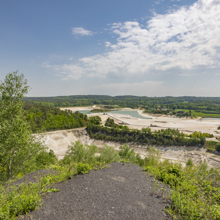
point(200, 114)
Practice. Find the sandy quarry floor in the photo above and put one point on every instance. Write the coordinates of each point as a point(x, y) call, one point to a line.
point(186, 125)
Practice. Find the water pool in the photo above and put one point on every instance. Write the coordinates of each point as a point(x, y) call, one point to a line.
point(131, 113)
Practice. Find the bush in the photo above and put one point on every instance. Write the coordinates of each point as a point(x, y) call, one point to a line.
point(96, 120)
point(44, 159)
point(83, 168)
point(189, 163)
point(128, 154)
point(109, 155)
point(77, 153)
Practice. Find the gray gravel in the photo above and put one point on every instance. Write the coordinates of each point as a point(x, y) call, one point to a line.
point(118, 192)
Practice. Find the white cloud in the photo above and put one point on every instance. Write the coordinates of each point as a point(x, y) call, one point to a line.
point(68, 71)
point(80, 31)
point(186, 38)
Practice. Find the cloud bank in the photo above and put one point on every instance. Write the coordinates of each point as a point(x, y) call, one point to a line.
point(187, 38)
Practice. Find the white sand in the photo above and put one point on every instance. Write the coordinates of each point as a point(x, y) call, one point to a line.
point(186, 125)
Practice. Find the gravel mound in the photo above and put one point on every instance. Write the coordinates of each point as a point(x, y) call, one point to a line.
point(119, 192)
point(32, 177)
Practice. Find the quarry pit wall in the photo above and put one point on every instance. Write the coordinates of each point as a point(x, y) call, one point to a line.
point(59, 141)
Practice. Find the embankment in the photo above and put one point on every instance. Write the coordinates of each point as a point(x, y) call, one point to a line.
point(58, 141)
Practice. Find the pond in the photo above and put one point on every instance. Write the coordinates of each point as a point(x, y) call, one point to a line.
point(134, 114)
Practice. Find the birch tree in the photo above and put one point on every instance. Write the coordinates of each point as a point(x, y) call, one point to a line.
point(17, 146)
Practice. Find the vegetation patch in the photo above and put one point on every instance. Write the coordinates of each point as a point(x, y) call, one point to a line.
point(45, 118)
point(118, 133)
point(212, 146)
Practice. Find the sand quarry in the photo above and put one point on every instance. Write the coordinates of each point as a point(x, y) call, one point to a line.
point(155, 122)
point(59, 140)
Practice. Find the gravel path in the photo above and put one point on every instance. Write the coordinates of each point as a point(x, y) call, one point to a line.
point(119, 192)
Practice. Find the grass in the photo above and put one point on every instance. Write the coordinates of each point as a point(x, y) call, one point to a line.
point(211, 145)
point(194, 190)
point(200, 114)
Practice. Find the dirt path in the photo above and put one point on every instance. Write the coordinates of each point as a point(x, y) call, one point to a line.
point(118, 192)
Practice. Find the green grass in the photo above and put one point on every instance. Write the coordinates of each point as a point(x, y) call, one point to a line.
point(200, 114)
point(211, 145)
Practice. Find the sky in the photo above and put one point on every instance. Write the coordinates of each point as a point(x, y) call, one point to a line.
point(145, 48)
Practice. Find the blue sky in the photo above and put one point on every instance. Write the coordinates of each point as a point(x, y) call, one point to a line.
point(147, 48)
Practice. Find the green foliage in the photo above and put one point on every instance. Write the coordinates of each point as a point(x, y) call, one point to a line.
point(189, 163)
point(78, 153)
point(153, 157)
point(109, 155)
point(128, 154)
point(218, 127)
point(52, 190)
point(18, 148)
point(14, 203)
point(44, 159)
point(195, 191)
point(197, 134)
point(212, 146)
point(144, 136)
point(96, 120)
point(45, 118)
point(111, 123)
point(83, 168)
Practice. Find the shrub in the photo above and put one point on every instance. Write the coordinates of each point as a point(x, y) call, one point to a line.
point(189, 162)
point(95, 120)
point(128, 154)
point(109, 155)
point(44, 159)
point(83, 168)
point(78, 153)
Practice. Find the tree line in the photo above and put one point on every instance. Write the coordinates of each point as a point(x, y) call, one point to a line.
point(44, 118)
point(206, 105)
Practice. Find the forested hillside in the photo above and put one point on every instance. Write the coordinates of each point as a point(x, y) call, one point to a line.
point(190, 102)
point(198, 106)
point(44, 118)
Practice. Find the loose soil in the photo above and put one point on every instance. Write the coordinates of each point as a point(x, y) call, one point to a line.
point(118, 192)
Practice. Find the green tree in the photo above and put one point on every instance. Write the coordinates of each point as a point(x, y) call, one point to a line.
point(18, 148)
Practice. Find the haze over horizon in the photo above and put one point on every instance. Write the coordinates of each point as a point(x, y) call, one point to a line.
point(143, 48)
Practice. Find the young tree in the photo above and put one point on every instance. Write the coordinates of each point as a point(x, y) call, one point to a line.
point(17, 146)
